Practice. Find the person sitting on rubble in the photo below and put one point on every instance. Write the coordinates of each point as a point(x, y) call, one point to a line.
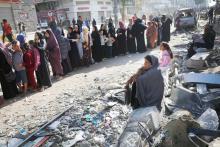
point(147, 85)
point(208, 37)
point(205, 41)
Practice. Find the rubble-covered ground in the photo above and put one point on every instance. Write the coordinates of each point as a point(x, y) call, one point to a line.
point(80, 88)
point(83, 88)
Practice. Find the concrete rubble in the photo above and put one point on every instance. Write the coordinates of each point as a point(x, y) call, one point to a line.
point(189, 116)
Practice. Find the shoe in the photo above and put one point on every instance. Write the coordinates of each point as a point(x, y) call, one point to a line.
point(41, 89)
point(59, 78)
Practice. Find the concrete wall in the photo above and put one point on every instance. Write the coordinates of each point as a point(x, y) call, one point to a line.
point(26, 13)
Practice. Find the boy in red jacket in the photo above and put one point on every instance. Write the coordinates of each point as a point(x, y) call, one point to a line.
point(7, 31)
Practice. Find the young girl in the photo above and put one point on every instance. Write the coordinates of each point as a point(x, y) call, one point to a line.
point(29, 63)
point(103, 40)
point(110, 42)
point(166, 54)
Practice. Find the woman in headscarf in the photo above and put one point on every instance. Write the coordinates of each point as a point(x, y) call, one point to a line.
point(155, 36)
point(111, 29)
point(121, 38)
point(54, 55)
point(79, 43)
point(112, 32)
point(86, 43)
point(64, 49)
point(8, 85)
point(138, 31)
point(42, 72)
point(104, 29)
point(131, 45)
point(73, 37)
point(63, 45)
point(166, 26)
point(147, 85)
point(158, 24)
point(97, 52)
point(151, 35)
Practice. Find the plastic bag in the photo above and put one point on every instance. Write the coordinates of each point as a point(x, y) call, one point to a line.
point(145, 115)
point(209, 120)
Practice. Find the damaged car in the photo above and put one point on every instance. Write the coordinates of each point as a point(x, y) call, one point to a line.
point(185, 18)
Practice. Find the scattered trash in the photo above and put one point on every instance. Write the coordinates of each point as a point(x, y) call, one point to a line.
point(149, 114)
point(209, 120)
point(78, 137)
point(54, 125)
point(14, 142)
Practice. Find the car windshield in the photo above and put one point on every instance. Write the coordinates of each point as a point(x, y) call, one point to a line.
point(185, 14)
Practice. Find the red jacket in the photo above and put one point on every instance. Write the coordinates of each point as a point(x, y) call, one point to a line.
point(29, 61)
point(7, 29)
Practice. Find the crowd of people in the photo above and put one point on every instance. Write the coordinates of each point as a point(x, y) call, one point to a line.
point(25, 65)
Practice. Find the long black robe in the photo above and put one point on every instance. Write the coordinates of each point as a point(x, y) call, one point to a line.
point(159, 33)
point(9, 89)
point(121, 38)
point(114, 46)
point(166, 30)
point(43, 72)
point(138, 29)
point(96, 47)
point(131, 45)
point(74, 52)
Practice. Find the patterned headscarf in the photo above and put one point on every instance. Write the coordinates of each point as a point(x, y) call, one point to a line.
point(52, 42)
point(121, 25)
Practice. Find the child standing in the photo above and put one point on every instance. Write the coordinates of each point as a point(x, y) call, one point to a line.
point(17, 61)
point(29, 63)
point(103, 43)
point(110, 42)
point(166, 55)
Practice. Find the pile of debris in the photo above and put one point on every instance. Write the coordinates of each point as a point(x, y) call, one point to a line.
point(99, 123)
point(191, 109)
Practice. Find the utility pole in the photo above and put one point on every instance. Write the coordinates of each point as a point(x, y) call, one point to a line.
point(116, 4)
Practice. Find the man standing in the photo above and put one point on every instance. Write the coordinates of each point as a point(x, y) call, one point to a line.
point(80, 23)
point(7, 31)
point(87, 23)
point(74, 22)
point(93, 22)
point(210, 14)
point(19, 26)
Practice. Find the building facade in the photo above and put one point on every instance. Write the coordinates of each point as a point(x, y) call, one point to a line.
point(88, 9)
point(45, 8)
point(129, 9)
point(66, 10)
point(16, 11)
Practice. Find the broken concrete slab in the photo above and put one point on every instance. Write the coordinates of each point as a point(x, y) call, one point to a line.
point(198, 61)
point(202, 78)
